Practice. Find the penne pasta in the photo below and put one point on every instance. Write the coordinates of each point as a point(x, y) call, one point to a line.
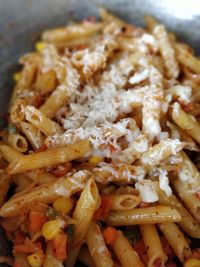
point(45, 193)
point(187, 59)
point(124, 202)
point(187, 223)
point(5, 181)
point(18, 142)
point(176, 240)
point(83, 213)
point(10, 154)
point(40, 121)
point(49, 157)
point(125, 253)
point(85, 257)
point(150, 215)
point(97, 246)
point(166, 51)
point(33, 134)
point(161, 151)
point(70, 32)
point(153, 245)
point(186, 121)
point(108, 17)
point(46, 82)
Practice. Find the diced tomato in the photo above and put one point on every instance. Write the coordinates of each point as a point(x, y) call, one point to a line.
point(102, 212)
point(37, 219)
point(59, 246)
point(28, 247)
point(110, 234)
point(19, 238)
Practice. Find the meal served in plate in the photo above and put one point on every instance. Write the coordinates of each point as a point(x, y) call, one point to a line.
point(101, 149)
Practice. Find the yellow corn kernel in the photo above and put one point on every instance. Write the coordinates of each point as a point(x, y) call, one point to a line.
point(95, 159)
point(192, 263)
point(16, 76)
point(39, 46)
point(63, 204)
point(51, 228)
point(35, 260)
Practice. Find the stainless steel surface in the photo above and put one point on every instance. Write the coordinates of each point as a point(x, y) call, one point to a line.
point(21, 22)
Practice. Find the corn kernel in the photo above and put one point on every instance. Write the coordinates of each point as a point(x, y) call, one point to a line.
point(192, 263)
point(39, 46)
point(63, 204)
point(95, 159)
point(35, 260)
point(51, 228)
point(16, 76)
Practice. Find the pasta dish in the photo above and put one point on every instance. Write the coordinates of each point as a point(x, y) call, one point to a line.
point(100, 159)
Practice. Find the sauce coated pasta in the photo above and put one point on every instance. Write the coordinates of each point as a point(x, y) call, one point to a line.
point(101, 149)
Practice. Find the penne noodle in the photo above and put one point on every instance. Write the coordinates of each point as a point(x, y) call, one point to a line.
point(167, 52)
point(70, 32)
point(49, 157)
point(149, 215)
point(187, 223)
point(108, 17)
point(22, 182)
point(68, 79)
point(33, 135)
point(97, 246)
point(9, 153)
point(153, 245)
point(86, 206)
point(46, 193)
point(18, 142)
point(189, 195)
point(176, 240)
point(118, 173)
point(160, 151)
point(46, 82)
point(40, 177)
point(5, 181)
point(40, 121)
point(151, 22)
point(124, 202)
point(85, 257)
point(186, 121)
point(187, 59)
point(127, 256)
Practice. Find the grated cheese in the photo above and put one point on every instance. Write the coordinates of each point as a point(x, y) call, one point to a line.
point(164, 182)
point(147, 192)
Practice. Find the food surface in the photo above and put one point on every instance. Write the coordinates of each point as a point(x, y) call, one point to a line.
point(101, 151)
